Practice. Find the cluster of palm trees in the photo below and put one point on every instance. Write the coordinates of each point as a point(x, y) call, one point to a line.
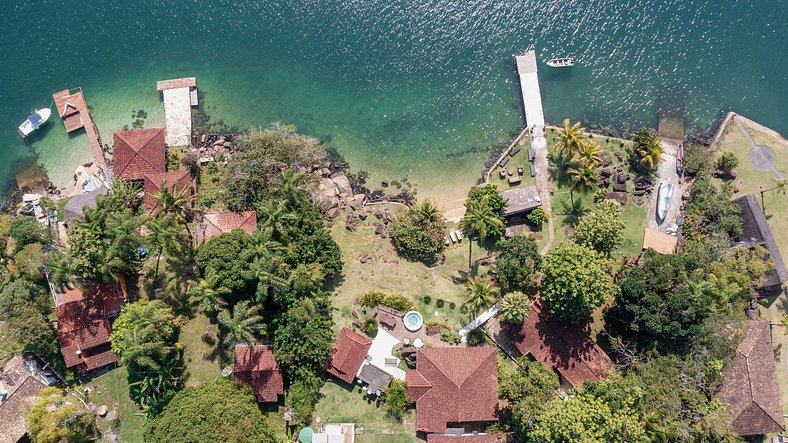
point(579, 158)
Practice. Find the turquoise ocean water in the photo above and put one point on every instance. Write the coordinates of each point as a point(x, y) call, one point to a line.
point(424, 89)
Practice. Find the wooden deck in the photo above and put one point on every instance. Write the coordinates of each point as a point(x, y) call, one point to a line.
point(73, 110)
point(186, 82)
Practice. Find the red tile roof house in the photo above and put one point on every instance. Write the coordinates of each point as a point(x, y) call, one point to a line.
point(562, 347)
point(217, 223)
point(749, 387)
point(176, 182)
point(347, 355)
point(139, 152)
point(84, 323)
point(256, 367)
point(454, 388)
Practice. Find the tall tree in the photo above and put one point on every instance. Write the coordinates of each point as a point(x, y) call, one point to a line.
point(481, 293)
point(144, 335)
point(517, 263)
point(56, 418)
point(575, 282)
point(418, 233)
point(583, 179)
point(603, 229)
point(529, 389)
point(590, 153)
point(515, 306)
point(244, 325)
point(206, 298)
point(647, 148)
point(570, 140)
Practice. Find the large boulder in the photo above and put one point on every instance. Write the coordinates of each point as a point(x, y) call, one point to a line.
point(620, 197)
point(620, 187)
point(343, 185)
point(329, 193)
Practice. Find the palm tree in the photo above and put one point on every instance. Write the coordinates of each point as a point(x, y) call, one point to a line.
point(290, 186)
point(274, 217)
point(482, 220)
point(570, 141)
point(590, 153)
point(583, 179)
point(270, 268)
point(515, 306)
point(428, 212)
point(171, 200)
point(165, 235)
point(206, 298)
point(780, 185)
point(650, 155)
point(243, 325)
point(481, 293)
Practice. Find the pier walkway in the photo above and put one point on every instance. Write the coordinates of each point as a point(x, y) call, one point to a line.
point(534, 118)
point(180, 95)
point(73, 110)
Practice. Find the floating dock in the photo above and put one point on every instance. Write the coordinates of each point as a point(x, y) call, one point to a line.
point(73, 110)
point(180, 95)
point(532, 98)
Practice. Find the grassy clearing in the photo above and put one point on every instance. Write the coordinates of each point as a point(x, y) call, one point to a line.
point(391, 273)
point(634, 212)
point(338, 404)
point(519, 159)
point(112, 389)
point(201, 350)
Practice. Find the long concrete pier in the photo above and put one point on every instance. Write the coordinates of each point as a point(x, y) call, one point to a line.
point(532, 97)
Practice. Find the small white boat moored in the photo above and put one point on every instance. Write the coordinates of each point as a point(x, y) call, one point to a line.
point(34, 121)
point(563, 62)
point(663, 199)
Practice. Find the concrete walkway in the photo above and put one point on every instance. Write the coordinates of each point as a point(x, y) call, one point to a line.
point(545, 187)
point(478, 321)
point(666, 170)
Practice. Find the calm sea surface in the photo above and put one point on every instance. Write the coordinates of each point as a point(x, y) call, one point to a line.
point(419, 89)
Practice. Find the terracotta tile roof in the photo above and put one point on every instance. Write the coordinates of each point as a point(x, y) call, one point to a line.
point(139, 152)
point(453, 385)
point(562, 347)
point(469, 438)
point(749, 386)
point(659, 241)
point(347, 355)
point(84, 325)
point(174, 181)
point(256, 367)
point(217, 223)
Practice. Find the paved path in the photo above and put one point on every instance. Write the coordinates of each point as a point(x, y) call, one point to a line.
point(666, 170)
point(545, 187)
point(761, 157)
point(479, 321)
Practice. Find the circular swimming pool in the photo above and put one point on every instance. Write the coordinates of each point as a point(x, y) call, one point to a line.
point(413, 321)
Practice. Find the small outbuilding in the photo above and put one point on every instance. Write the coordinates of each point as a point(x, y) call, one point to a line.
point(256, 367)
point(519, 200)
point(347, 355)
point(75, 208)
point(139, 152)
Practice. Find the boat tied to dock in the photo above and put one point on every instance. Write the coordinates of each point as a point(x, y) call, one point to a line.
point(563, 62)
point(34, 121)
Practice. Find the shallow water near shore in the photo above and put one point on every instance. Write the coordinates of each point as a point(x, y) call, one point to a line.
point(418, 89)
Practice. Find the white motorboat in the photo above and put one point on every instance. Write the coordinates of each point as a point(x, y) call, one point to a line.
point(564, 62)
point(663, 199)
point(34, 121)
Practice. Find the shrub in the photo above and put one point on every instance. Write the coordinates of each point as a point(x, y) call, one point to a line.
point(452, 305)
point(394, 301)
point(697, 161)
point(418, 234)
point(26, 230)
point(463, 309)
point(370, 327)
point(537, 217)
point(451, 337)
point(427, 299)
point(515, 306)
point(728, 161)
point(476, 337)
point(440, 303)
point(517, 262)
point(397, 399)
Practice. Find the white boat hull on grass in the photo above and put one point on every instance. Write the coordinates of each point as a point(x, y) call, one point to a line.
point(34, 121)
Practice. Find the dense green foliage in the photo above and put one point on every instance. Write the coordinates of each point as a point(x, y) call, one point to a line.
point(515, 306)
point(481, 293)
point(397, 399)
point(303, 338)
point(228, 261)
point(302, 397)
point(646, 150)
point(698, 160)
point(25, 308)
point(728, 161)
point(26, 230)
point(537, 217)
point(603, 229)
point(212, 411)
point(143, 338)
point(56, 418)
point(418, 234)
point(517, 263)
point(710, 213)
point(244, 325)
point(575, 282)
point(528, 390)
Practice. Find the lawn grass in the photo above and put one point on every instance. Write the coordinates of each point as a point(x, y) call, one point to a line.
point(112, 389)
point(519, 159)
point(634, 216)
point(391, 273)
point(61, 208)
point(201, 355)
point(340, 404)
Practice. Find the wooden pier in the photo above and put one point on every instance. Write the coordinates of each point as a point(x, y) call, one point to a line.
point(532, 97)
point(73, 110)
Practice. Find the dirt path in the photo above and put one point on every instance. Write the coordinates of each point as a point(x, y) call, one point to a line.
point(545, 187)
